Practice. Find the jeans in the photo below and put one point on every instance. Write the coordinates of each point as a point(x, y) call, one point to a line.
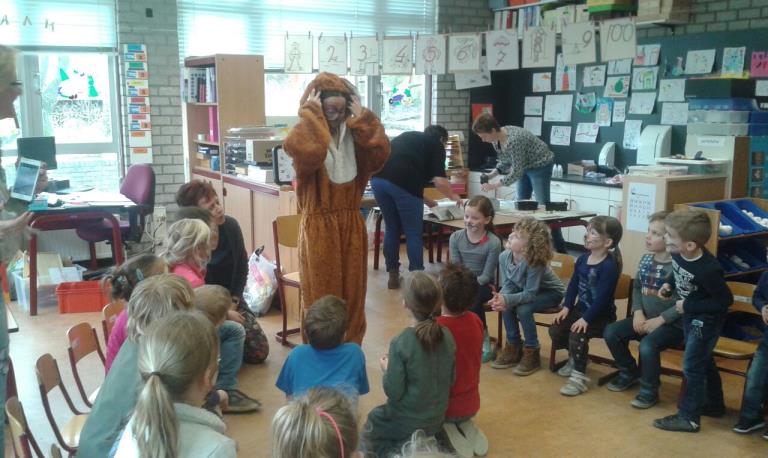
point(403, 214)
point(757, 383)
point(617, 335)
point(537, 181)
point(703, 384)
point(231, 343)
point(484, 294)
point(522, 314)
point(577, 343)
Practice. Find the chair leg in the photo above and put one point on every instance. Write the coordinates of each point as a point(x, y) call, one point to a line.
point(552, 354)
point(430, 240)
point(500, 333)
point(377, 240)
point(92, 250)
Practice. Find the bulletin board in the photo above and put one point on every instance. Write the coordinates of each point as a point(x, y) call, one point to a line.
point(509, 89)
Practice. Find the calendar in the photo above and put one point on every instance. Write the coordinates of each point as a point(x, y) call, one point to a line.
point(641, 203)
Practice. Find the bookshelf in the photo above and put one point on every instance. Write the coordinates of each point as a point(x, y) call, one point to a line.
point(220, 92)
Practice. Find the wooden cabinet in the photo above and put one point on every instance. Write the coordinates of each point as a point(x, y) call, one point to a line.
point(238, 203)
point(601, 200)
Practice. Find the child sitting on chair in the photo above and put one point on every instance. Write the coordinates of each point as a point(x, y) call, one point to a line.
point(326, 360)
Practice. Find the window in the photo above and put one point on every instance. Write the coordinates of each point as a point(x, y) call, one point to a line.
point(402, 103)
point(284, 91)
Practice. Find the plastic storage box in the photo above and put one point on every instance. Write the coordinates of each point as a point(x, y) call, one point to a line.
point(81, 296)
point(700, 128)
point(716, 116)
point(757, 130)
point(658, 170)
point(758, 117)
point(729, 104)
point(46, 292)
point(698, 167)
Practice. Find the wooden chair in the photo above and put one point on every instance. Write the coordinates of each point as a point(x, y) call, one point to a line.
point(623, 291)
point(285, 230)
point(562, 265)
point(21, 438)
point(48, 378)
point(83, 342)
point(108, 317)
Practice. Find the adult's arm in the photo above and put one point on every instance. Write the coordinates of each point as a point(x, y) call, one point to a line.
point(371, 143)
point(444, 186)
point(307, 143)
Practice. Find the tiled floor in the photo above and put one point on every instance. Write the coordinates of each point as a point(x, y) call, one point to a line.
point(520, 416)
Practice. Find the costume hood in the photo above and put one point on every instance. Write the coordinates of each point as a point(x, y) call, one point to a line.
point(329, 82)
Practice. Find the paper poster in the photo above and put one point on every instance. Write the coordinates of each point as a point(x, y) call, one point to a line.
point(141, 155)
point(672, 90)
point(557, 108)
point(534, 106)
point(594, 75)
point(139, 138)
point(603, 111)
point(759, 64)
point(565, 76)
point(137, 88)
point(464, 52)
point(332, 54)
point(619, 110)
point(644, 78)
point(699, 62)
point(586, 132)
point(560, 135)
point(501, 48)
point(620, 67)
point(618, 39)
point(467, 80)
point(632, 129)
point(642, 103)
point(641, 203)
point(134, 47)
point(397, 56)
point(430, 55)
point(533, 125)
point(647, 55)
point(364, 56)
point(298, 54)
point(761, 88)
point(616, 86)
point(140, 121)
point(538, 47)
point(585, 102)
point(480, 108)
point(542, 82)
point(578, 43)
point(674, 113)
point(733, 61)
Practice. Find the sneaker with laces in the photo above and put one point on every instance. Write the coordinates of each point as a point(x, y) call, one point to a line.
point(622, 382)
point(676, 423)
point(565, 371)
point(510, 355)
point(644, 401)
point(746, 425)
point(239, 402)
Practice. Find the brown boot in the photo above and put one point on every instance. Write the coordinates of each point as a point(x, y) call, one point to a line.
point(394, 279)
point(508, 357)
point(530, 363)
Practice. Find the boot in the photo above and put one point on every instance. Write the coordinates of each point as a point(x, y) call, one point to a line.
point(489, 353)
point(510, 355)
point(576, 384)
point(530, 363)
point(394, 279)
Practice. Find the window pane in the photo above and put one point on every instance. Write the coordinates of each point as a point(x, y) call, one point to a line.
point(75, 91)
point(284, 90)
point(402, 105)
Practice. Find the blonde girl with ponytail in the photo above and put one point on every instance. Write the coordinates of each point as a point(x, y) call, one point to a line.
point(418, 373)
point(178, 361)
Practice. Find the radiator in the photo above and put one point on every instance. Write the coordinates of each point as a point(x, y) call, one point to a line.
point(69, 245)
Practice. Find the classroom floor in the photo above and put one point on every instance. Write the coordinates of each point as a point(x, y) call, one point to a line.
point(522, 416)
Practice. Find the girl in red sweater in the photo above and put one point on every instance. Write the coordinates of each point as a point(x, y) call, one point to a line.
point(459, 287)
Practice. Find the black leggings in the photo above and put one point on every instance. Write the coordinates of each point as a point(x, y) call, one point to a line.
point(484, 294)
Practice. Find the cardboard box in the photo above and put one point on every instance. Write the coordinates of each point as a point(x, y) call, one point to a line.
point(580, 168)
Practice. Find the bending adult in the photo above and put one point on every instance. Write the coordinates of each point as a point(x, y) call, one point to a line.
point(522, 158)
point(336, 147)
point(228, 266)
point(416, 159)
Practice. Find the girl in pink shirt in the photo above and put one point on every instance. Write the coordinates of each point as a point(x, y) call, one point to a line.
point(188, 250)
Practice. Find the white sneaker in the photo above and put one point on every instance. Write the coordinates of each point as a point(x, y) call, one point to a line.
point(459, 443)
point(565, 371)
point(576, 384)
point(475, 437)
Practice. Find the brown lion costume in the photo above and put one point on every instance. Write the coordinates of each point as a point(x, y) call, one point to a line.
point(333, 248)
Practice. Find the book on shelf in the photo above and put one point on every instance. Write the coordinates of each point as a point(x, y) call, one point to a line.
point(199, 85)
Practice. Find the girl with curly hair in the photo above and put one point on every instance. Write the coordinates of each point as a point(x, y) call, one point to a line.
point(528, 286)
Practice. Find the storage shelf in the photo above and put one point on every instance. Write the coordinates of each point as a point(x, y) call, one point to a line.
point(204, 104)
point(528, 5)
point(206, 143)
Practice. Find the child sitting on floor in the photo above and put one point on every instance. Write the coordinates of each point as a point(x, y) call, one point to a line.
point(188, 249)
point(459, 289)
point(326, 360)
point(528, 286)
point(418, 374)
point(588, 305)
point(321, 423)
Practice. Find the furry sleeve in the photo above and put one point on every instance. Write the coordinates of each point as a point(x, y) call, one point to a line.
point(307, 143)
point(371, 144)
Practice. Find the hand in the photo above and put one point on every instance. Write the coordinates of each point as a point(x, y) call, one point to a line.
point(42, 180)
point(638, 321)
point(679, 306)
point(430, 203)
point(234, 315)
point(498, 303)
point(314, 98)
point(355, 107)
point(384, 362)
point(665, 291)
point(488, 187)
point(579, 326)
point(17, 224)
point(653, 324)
point(560, 316)
point(764, 310)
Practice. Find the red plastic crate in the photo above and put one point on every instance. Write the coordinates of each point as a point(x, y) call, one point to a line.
point(81, 296)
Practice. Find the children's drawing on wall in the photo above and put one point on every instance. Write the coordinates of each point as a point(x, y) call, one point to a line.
point(538, 47)
point(534, 106)
point(761, 88)
point(673, 113)
point(578, 43)
point(398, 56)
point(464, 52)
point(298, 54)
point(647, 55)
point(501, 48)
point(699, 62)
point(616, 86)
point(586, 132)
point(593, 75)
point(542, 82)
point(672, 90)
point(364, 56)
point(565, 75)
point(619, 110)
point(533, 125)
point(644, 78)
point(603, 111)
point(759, 64)
point(560, 135)
point(430, 55)
point(557, 108)
point(642, 103)
point(733, 62)
point(585, 102)
point(632, 129)
point(620, 67)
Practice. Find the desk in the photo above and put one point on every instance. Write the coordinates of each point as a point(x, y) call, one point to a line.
point(71, 217)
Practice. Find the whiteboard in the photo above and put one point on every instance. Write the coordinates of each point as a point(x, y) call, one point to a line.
point(364, 56)
point(501, 48)
point(464, 52)
point(298, 54)
point(332, 54)
point(398, 56)
point(430, 55)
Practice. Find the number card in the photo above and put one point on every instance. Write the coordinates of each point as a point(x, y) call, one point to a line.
point(430, 55)
point(501, 47)
point(332, 54)
point(298, 54)
point(398, 56)
point(538, 47)
point(364, 56)
point(618, 39)
point(464, 52)
point(578, 43)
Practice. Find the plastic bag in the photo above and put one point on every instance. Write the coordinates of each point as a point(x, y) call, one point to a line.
point(261, 284)
point(370, 226)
